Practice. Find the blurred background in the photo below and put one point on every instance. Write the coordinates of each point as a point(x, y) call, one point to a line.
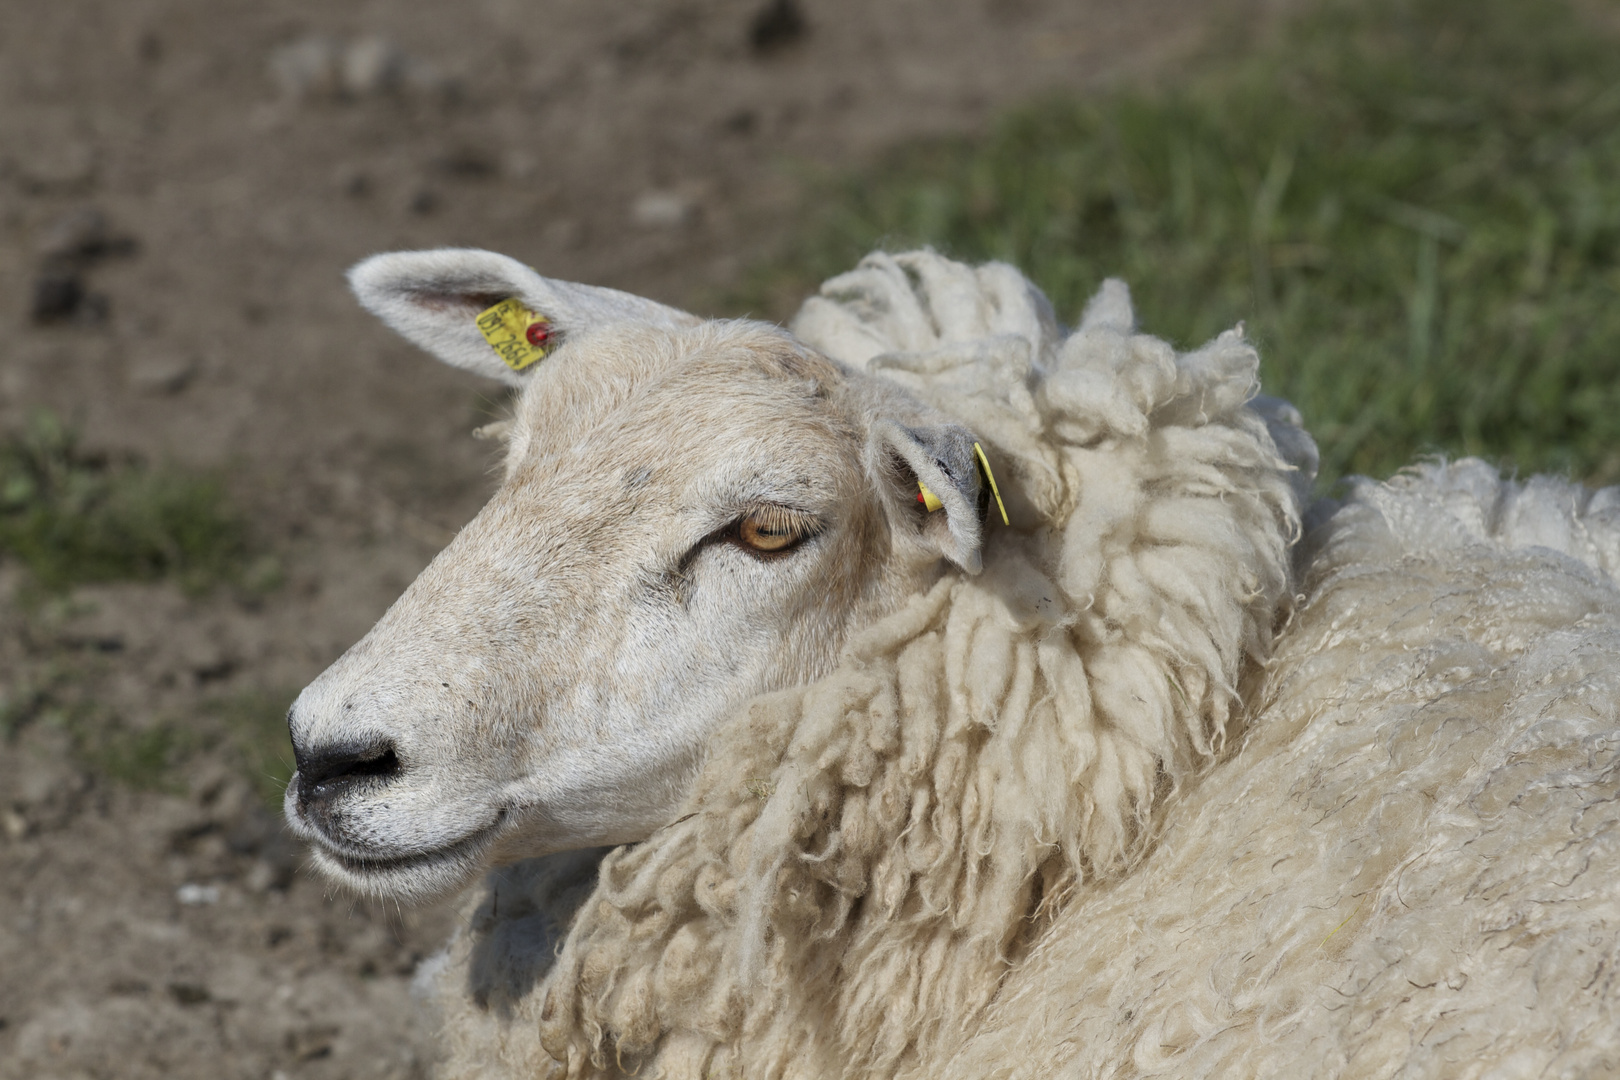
point(216, 472)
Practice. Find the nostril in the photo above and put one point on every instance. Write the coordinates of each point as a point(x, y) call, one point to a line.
point(331, 767)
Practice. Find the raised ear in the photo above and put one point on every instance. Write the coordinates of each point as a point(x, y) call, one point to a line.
point(942, 458)
point(434, 298)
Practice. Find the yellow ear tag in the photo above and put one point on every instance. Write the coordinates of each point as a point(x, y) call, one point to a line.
point(984, 462)
point(518, 336)
point(931, 501)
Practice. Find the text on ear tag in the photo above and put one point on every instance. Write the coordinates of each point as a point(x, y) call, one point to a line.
point(518, 336)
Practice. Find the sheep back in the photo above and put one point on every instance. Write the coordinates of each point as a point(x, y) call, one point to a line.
point(1409, 867)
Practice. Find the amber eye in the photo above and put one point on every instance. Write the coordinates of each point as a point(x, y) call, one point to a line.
point(772, 529)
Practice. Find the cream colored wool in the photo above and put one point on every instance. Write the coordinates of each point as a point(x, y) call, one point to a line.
point(864, 861)
point(1412, 866)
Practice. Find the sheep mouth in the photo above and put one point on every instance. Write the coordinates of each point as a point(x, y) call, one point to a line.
point(415, 874)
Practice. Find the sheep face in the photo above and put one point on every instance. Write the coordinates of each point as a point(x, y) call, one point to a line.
point(691, 514)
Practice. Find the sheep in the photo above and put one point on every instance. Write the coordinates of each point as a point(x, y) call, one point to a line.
point(1136, 784)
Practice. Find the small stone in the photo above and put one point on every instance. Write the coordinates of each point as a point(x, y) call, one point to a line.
point(468, 163)
point(58, 294)
point(307, 67)
point(79, 234)
point(661, 210)
point(519, 164)
point(353, 182)
point(776, 25)
point(162, 374)
point(317, 66)
point(566, 233)
point(262, 877)
point(149, 47)
point(189, 993)
point(371, 66)
point(312, 1042)
point(15, 824)
point(192, 894)
point(58, 168)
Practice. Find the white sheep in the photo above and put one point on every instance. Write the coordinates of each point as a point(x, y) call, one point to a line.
point(913, 793)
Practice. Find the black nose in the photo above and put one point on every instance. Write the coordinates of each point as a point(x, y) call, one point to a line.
point(327, 771)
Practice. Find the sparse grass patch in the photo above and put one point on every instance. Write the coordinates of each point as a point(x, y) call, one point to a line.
point(27, 694)
point(74, 518)
point(56, 694)
point(254, 724)
point(247, 730)
point(1413, 204)
point(142, 759)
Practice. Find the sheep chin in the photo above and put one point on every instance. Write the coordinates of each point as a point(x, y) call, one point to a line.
point(414, 878)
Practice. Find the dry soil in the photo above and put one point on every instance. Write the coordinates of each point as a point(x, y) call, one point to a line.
point(218, 163)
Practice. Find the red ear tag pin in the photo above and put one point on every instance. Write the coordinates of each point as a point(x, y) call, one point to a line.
point(519, 336)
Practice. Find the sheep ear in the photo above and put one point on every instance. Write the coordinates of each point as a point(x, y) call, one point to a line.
point(433, 298)
point(942, 459)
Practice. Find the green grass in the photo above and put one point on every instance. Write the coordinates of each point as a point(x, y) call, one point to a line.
point(254, 725)
point(1414, 206)
point(248, 730)
point(54, 694)
point(144, 760)
point(74, 518)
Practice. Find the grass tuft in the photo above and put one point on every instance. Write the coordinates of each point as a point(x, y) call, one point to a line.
point(254, 723)
point(142, 759)
point(1414, 205)
point(249, 729)
point(74, 518)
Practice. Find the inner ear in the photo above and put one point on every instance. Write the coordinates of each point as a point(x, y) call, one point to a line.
point(467, 304)
point(479, 311)
point(919, 461)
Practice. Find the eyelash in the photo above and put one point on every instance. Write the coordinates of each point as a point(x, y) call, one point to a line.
point(804, 526)
point(763, 525)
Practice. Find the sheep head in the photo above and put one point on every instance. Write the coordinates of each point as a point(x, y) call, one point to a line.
point(692, 513)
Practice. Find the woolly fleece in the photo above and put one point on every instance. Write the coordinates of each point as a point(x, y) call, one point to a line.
point(1027, 830)
point(862, 859)
point(1412, 866)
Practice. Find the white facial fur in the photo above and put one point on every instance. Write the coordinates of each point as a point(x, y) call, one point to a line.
point(552, 679)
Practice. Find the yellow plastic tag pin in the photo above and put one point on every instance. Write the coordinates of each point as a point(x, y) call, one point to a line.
point(928, 498)
point(984, 462)
point(519, 336)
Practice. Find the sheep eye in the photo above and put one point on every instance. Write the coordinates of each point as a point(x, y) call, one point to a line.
point(773, 530)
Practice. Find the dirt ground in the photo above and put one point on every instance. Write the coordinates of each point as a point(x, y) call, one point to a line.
point(241, 155)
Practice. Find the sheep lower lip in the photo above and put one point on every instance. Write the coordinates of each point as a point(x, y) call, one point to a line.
point(383, 864)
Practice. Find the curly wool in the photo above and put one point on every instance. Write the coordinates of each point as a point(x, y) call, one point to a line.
point(863, 860)
point(1409, 867)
